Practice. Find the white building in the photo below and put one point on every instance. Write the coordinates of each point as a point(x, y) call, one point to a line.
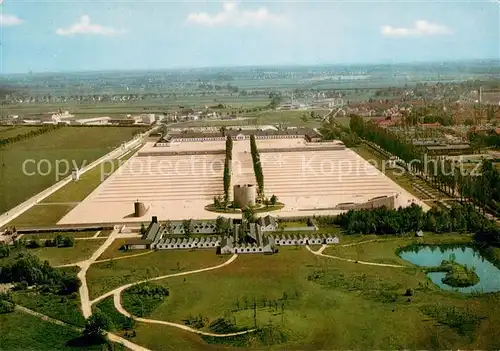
point(149, 118)
point(93, 121)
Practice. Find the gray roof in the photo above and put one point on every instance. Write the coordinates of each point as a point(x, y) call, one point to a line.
point(152, 231)
point(267, 220)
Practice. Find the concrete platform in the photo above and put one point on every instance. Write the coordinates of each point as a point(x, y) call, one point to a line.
point(177, 187)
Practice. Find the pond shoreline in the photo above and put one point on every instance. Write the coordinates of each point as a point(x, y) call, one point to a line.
point(472, 272)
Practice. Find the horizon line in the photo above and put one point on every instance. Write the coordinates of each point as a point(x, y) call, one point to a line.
point(282, 65)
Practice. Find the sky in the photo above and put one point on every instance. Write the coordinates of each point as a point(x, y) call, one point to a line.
point(63, 35)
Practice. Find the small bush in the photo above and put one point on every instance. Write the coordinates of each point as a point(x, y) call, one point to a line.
point(6, 306)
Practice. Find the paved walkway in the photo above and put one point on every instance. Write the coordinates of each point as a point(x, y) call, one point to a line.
point(320, 253)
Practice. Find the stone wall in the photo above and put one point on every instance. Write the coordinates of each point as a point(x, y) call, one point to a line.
point(175, 153)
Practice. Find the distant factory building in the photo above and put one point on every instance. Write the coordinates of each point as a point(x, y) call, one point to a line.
point(93, 121)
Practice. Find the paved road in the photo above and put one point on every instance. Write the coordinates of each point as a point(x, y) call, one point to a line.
point(320, 253)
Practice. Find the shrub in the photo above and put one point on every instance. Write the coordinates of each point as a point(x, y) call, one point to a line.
point(6, 306)
point(96, 326)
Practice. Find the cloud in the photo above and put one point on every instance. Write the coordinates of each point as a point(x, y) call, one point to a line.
point(9, 20)
point(421, 28)
point(231, 15)
point(84, 26)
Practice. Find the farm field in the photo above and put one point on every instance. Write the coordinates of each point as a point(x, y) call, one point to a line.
point(121, 109)
point(22, 331)
point(328, 304)
point(7, 132)
point(105, 276)
point(82, 250)
point(77, 145)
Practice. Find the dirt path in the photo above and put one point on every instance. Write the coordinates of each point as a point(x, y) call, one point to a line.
point(320, 253)
point(116, 293)
point(84, 265)
point(124, 257)
point(110, 336)
point(105, 260)
point(366, 242)
point(119, 307)
point(126, 286)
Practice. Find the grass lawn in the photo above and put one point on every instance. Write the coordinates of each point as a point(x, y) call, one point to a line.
point(344, 121)
point(160, 337)
point(41, 215)
point(114, 251)
point(385, 252)
point(21, 331)
point(293, 224)
point(291, 118)
point(76, 145)
point(104, 233)
point(329, 304)
point(52, 235)
point(103, 277)
point(82, 250)
point(64, 308)
point(8, 132)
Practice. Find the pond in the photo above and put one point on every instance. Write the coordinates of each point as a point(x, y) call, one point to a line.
point(431, 256)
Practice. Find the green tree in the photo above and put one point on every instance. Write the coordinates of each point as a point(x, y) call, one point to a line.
point(249, 214)
point(97, 325)
point(187, 226)
point(4, 250)
point(273, 200)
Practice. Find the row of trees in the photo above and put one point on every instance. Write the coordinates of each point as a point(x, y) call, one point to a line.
point(227, 168)
point(58, 241)
point(462, 219)
point(481, 188)
point(29, 135)
point(257, 166)
point(411, 219)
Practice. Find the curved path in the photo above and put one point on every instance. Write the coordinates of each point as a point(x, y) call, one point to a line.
point(320, 253)
point(113, 337)
point(119, 307)
point(124, 257)
point(116, 293)
point(126, 286)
